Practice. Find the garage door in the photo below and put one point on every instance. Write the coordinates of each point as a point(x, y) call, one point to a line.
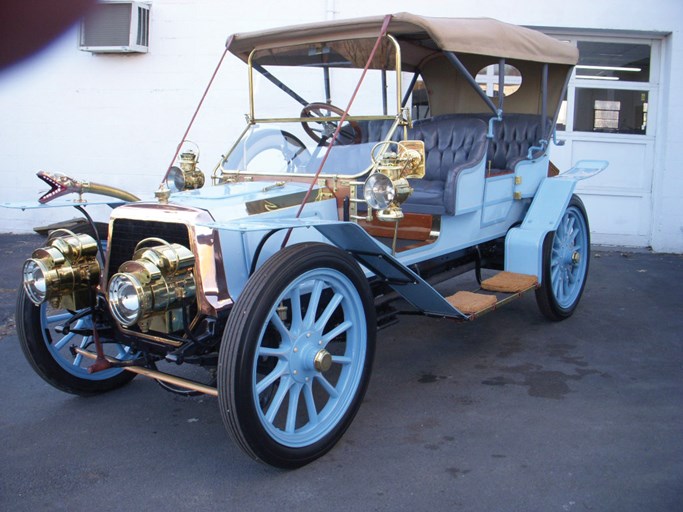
point(610, 113)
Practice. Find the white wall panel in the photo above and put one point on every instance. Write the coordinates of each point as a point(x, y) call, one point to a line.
point(117, 119)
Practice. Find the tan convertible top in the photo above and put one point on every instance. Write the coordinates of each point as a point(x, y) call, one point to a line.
point(478, 36)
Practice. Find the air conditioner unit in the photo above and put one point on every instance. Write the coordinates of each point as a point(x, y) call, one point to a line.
point(116, 27)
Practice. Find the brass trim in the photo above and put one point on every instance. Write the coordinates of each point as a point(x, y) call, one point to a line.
point(212, 287)
point(319, 119)
point(157, 375)
point(399, 86)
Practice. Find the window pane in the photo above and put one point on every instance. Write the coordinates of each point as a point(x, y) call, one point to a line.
point(419, 101)
point(561, 124)
point(488, 79)
point(613, 61)
point(611, 111)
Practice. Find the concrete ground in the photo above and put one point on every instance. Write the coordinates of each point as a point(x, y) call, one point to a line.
point(508, 413)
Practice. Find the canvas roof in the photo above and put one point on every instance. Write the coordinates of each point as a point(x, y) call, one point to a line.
point(478, 36)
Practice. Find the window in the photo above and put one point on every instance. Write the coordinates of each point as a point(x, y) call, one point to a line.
point(487, 78)
point(610, 88)
point(419, 101)
point(610, 110)
point(613, 62)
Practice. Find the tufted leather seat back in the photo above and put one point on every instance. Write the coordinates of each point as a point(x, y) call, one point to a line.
point(450, 141)
point(377, 130)
point(452, 145)
point(512, 139)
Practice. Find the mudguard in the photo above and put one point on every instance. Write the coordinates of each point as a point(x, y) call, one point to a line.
point(524, 244)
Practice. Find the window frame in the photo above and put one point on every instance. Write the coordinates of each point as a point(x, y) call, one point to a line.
point(651, 87)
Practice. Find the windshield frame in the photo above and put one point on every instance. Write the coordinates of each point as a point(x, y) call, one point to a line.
point(400, 118)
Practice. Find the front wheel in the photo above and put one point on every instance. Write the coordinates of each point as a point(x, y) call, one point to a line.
point(566, 254)
point(296, 355)
point(46, 345)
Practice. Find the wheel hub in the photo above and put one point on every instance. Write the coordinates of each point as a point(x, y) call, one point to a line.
point(322, 361)
point(308, 357)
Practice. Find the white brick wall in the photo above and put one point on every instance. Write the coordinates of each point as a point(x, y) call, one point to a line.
point(116, 119)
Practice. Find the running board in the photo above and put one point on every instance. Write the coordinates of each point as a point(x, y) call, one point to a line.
point(154, 374)
point(476, 304)
point(461, 306)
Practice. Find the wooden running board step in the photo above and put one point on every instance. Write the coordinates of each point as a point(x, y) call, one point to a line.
point(475, 304)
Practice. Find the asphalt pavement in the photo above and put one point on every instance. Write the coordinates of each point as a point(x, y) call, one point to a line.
point(508, 413)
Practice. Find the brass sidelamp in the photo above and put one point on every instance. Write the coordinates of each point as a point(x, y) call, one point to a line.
point(387, 187)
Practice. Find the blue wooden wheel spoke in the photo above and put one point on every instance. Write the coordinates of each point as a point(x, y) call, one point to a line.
point(568, 257)
point(301, 391)
point(59, 344)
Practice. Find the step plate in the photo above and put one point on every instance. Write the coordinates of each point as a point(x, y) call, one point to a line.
point(470, 302)
point(509, 282)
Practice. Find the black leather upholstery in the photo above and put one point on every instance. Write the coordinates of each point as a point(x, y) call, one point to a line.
point(452, 144)
point(377, 130)
point(512, 138)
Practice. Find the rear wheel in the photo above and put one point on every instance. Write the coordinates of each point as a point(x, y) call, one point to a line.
point(566, 254)
point(296, 355)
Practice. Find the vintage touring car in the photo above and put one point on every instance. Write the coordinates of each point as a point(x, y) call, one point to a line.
point(380, 156)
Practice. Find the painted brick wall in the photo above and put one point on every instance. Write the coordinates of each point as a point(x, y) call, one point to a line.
point(116, 119)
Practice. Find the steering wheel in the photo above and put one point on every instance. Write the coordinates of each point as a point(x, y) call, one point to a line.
point(350, 132)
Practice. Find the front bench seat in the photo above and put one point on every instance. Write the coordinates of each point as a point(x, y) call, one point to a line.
point(452, 145)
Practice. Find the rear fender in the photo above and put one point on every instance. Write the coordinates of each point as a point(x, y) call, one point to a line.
point(524, 244)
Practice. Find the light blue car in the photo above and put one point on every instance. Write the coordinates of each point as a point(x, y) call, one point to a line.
point(380, 156)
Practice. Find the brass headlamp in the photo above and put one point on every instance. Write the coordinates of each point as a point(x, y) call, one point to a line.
point(187, 175)
point(388, 187)
point(149, 287)
point(64, 273)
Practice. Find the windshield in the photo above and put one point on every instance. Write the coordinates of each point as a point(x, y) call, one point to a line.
point(298, 96)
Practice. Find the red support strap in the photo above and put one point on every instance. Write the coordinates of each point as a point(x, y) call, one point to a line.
point(383, 32)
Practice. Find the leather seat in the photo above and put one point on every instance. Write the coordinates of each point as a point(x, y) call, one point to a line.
point(452, 144)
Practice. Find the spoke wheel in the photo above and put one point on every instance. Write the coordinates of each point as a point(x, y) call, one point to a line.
point(566, 254)
point(321, 131)
point(47, 349)
point(296, 355)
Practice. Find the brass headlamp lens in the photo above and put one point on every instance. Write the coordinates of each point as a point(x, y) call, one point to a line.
point(379, 191)
point(176, 180)
point(125, 299)
point(35, 281)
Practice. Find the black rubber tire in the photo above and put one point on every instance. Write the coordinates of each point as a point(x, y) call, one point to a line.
point(545, 296)
point(242, 336)
point(33, 341)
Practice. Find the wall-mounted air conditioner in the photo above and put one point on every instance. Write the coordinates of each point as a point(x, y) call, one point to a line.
point(116, 27)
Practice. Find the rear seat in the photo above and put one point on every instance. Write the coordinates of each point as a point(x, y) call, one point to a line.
point(512, 138)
